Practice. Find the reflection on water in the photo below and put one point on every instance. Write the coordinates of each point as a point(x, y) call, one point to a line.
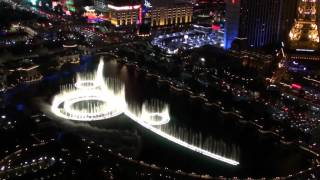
point(258, 156)
point(197, 139)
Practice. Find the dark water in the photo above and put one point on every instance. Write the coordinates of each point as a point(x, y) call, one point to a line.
point(260, 156)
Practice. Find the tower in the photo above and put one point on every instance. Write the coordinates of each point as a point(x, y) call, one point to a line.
point(304, 34)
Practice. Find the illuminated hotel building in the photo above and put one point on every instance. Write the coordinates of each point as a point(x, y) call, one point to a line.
point(304, 34)
point(170, 12)
point(158, 12)
point(124, 15)
point(231, 22)
point(120, 12)
point(261, 22)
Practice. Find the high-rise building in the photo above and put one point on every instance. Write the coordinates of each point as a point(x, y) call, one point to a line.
point(232, 19)
point(261, 22)
point(170, 12)
point(120, 12)
point(155, 12)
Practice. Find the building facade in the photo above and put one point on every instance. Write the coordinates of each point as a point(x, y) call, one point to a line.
point(124, 15)
point(260, 22)
point(232, 20)
point(303, 38)
point(156, 12)
point(120, 12)
point(170, 14)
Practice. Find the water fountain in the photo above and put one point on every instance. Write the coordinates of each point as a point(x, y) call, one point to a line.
point(197, 139)
point(93, 97)
point(155, 112)
point(182, 136)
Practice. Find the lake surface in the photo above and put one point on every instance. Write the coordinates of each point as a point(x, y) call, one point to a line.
point(259, 156)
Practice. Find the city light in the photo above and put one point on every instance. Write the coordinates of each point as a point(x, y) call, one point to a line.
point(296, 86)
point(33, 2)
point(160, 89)
point(305, 26)
point(197, 37)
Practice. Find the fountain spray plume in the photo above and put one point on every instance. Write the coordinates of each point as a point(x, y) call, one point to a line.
point(90, 98)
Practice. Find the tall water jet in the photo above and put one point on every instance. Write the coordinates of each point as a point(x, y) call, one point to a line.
point(204, 142)
point(155, 112)
point(93, 97)
point(154, 115)
point(90, 98)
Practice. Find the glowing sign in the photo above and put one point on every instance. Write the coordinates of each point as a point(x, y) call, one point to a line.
point(215, 27)
point(119, 8)
point(296, 86)
point(140, 15)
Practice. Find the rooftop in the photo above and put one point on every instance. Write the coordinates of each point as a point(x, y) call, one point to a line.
point(166, 3)
point(154, 3)
point(124, 2)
